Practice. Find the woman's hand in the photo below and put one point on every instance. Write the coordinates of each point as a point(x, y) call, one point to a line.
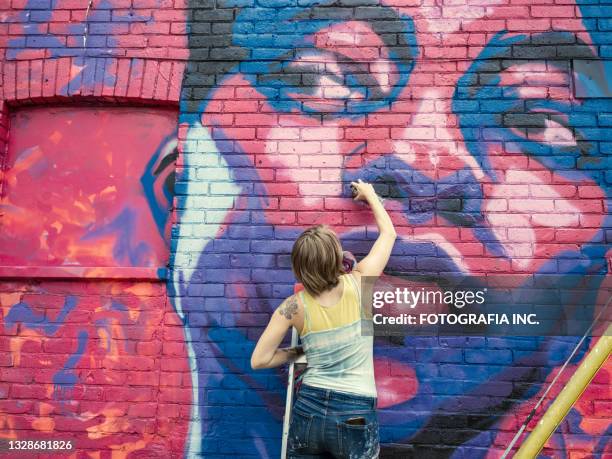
point(293, 353)
point(363, 191)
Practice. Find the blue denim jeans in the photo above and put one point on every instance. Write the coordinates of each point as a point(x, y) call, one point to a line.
point(331, 424)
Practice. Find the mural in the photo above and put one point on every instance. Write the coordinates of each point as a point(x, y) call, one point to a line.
point(93, 47)
point(485, 125)
point(464, 117)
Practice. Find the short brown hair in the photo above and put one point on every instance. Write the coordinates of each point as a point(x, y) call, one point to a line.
point(316, 259)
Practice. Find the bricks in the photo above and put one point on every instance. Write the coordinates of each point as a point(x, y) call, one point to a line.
point(568, 11)
point(459, 146)
point(50, 78)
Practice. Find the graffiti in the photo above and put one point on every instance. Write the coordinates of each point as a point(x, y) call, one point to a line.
point(88, 42)
point(93, 374)
point(158, 183)
point(465, 120)
point(94, 34)
point(23, 313)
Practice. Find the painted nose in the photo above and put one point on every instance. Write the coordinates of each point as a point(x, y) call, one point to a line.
point(429, 140)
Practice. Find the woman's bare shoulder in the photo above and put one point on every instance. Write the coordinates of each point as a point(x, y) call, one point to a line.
point(293, 311)
point(289, 308)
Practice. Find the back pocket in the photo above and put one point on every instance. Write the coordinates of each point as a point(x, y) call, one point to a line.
point(359, 438)
point(299, 431)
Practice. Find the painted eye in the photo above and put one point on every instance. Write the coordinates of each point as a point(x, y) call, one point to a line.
point(158, 182)
point(163, 173)
point(327, 82)
point(549, 129)
point(553, 133)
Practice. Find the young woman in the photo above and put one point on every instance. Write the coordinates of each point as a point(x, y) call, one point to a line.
point(334, 414)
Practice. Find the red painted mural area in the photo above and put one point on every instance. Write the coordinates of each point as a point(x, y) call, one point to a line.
point(75, 190)
point(100, 363)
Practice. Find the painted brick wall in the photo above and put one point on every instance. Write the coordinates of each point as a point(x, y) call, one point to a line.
point(483, 124)
point(486, 125)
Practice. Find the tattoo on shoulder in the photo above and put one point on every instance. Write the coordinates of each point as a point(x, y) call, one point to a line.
point(289, 308)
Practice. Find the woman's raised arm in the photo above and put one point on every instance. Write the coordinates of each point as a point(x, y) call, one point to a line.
point(376, 260)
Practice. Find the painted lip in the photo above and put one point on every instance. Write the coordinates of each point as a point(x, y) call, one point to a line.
point(440, 265)
point(442, 272)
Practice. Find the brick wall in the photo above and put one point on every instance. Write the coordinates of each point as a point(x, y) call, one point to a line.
point(485, 125)
point(482, 125)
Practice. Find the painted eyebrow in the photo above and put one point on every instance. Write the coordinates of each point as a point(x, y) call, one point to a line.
point(553, 47)
point(292, 28)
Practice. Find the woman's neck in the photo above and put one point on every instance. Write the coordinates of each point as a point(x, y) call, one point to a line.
point(330, 297)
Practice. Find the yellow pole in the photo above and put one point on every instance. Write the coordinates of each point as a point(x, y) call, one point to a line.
point(572, 391)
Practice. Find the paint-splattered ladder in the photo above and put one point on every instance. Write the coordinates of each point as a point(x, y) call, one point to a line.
point(290, 392)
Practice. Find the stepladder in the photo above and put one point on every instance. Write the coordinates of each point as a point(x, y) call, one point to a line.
point(295, 371)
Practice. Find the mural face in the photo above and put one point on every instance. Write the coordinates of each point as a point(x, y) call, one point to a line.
point(86, 193)
point(464, 118)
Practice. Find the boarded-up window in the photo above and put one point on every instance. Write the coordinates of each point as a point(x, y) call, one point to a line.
point(88, 187)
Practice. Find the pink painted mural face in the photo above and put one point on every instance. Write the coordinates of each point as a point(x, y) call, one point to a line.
point(468, 131)
point(85, 196)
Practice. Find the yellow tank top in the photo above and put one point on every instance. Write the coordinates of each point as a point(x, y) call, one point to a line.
point(346, 311)
point(339, 355)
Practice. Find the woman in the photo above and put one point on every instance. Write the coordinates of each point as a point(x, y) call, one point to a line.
point(335, 410)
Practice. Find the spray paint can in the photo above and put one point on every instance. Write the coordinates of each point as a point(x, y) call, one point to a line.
point(348, 261)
